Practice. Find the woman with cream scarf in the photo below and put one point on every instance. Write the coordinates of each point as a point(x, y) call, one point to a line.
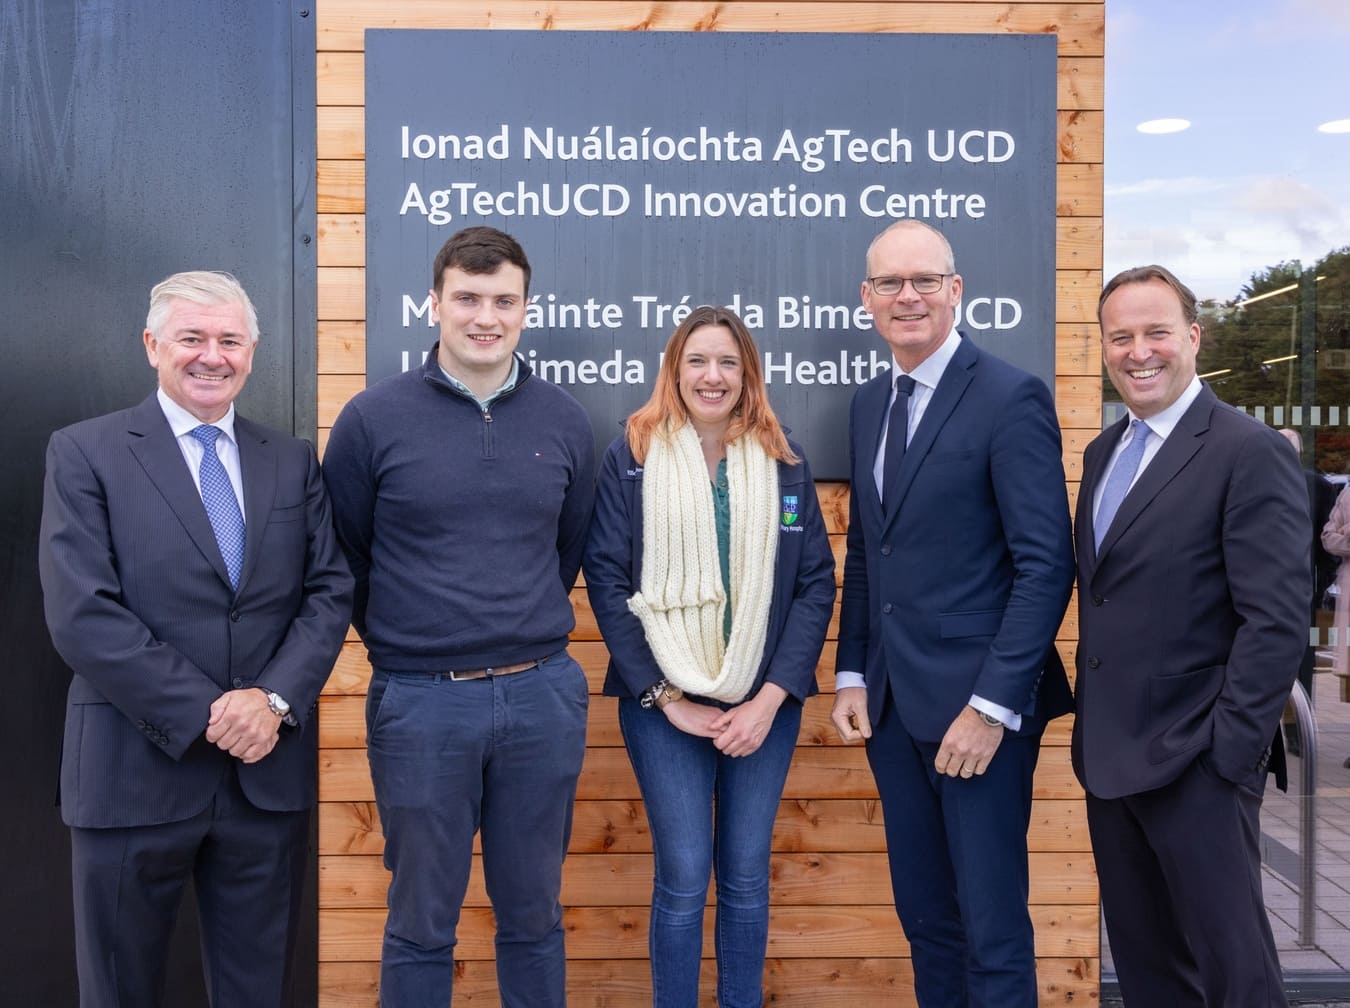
point(711, 577)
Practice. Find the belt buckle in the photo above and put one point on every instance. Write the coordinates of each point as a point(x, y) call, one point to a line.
point(468, 676)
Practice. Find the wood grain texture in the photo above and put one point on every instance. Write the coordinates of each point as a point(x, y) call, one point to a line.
point(835, 940)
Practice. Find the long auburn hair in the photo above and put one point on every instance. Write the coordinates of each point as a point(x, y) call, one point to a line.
point(665, 409)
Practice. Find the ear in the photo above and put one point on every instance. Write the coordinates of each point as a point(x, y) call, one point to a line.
point(151, 348)
point(435, 307)
point(957, 286)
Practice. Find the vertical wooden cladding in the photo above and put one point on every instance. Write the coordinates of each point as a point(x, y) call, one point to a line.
point(834, 937)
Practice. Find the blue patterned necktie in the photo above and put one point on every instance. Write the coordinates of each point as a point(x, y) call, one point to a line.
point(222, 506)
point(1118, 483)
point(897, 433)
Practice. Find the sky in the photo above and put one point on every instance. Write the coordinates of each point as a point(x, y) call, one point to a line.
point(1251, 183)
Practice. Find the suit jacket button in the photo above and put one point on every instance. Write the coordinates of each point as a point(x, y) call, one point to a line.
point(887, 608)
point(1094, 663)
point(234, 616)
point(1097, 600)
point(237, 683)
point(886, 550)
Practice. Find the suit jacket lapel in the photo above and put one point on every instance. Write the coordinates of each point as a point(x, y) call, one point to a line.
point(1094, 466)
point(871, 418)
point(950, 388)
point(154, 446)
point(1179, 448)
point(258, 464)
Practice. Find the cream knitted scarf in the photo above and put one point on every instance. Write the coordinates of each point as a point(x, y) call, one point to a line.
point(681, 603)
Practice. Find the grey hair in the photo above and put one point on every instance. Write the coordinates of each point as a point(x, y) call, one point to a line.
point(912, 224)
point(200, 287)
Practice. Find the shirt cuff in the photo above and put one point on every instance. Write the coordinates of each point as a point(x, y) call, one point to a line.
point(844, 680)
point(1010, 718)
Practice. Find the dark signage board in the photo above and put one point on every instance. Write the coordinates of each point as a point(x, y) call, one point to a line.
point(649, 172)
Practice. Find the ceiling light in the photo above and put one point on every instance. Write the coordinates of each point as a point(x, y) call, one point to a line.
point(1335, 126)
point(1164, 126)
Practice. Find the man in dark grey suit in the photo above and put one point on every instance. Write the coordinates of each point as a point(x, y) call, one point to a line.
point(1193, 585)
point(193, 584)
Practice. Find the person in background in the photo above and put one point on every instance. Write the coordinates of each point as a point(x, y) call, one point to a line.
point(1321, 499)
point(193, 585)
point(958, 571)
point(461, 495)
point(711, 577)
point(1193, 586)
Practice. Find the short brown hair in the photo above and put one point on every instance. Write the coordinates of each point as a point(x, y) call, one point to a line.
point(1143, 274)
point(478, 250)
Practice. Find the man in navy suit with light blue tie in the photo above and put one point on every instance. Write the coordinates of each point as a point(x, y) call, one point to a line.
point(957, 574)
point(1193, 583)
point(193, 584)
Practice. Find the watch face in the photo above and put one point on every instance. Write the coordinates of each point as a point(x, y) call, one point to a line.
point(277, 704)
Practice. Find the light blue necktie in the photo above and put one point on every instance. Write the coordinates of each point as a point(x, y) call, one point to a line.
point(1118, 483)
point(222, 506)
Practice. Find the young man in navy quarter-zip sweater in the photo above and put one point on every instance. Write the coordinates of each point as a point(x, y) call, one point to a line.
point(462, 493)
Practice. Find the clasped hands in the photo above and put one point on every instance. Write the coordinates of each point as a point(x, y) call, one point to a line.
point(243, 724)
point(737, 731)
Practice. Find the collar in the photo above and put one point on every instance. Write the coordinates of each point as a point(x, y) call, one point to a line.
point(1165, 421)
point(181, 421)
point(931, 368)
point(511, 378)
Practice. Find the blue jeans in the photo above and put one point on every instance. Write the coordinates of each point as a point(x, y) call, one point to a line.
point(704, 809)
point(448, 759)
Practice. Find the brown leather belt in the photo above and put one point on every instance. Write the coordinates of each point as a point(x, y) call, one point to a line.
point(489, 673)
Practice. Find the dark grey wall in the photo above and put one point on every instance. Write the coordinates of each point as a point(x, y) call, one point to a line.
point(138, 140)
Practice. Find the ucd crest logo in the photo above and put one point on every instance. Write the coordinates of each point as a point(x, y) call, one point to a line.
point(789, 510)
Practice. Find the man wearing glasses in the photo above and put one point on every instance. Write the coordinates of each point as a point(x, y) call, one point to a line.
point(957, 574)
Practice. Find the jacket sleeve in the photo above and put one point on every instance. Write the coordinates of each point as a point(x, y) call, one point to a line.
point(611, 563)
point(855, 600)
point(348, 471)
point(575, 519)
point(1027, 472)
point(305, 658)
point(104, 642)
point(797, 650)
point(1266, 535)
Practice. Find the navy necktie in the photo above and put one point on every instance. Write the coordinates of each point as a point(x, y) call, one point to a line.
point(897, 433)
point(1118, 483)
point(222, 506)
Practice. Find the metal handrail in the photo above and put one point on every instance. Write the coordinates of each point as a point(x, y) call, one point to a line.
point(1307, 838)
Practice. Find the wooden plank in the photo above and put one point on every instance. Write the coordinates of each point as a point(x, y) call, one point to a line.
point(824, 772)
point(334, 392)
point(1078, 243)
point(794, 932)
point(1078, 349)
point(342, 723)
point(626, 983)
point(1082, 83)
point(342, 348)
point(342, 239)
point(616, 880)
point(1076, 294)
point(802, 825)
point(1080, 27)
point(1078, 190)
point(341, 186)
point(342, 294)
point(1080, 135)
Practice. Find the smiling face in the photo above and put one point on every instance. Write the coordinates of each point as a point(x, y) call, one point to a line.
point(710, 378)
point(912, 324)
point(1148, 346)
point(203, 353)
point(481, 316)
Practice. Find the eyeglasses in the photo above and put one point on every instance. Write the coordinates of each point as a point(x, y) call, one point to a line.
point(924, 283)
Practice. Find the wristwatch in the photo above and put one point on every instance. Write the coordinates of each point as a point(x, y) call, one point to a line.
point(988, 719)
point(278, 706)
point(659, 695)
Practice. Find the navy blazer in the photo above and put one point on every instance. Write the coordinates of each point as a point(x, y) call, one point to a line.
point(139, 605)
point(1193, 616)
point(960, 589)
point(803, 586)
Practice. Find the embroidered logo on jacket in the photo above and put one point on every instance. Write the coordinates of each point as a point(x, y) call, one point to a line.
point(789, 510)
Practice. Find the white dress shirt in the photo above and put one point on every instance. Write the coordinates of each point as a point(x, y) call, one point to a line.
point(1161, 425)
point(181, 422)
